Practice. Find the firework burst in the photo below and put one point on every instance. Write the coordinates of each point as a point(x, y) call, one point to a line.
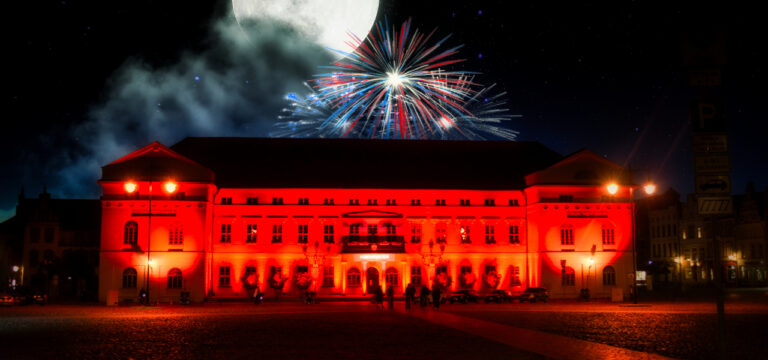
point(393, 86)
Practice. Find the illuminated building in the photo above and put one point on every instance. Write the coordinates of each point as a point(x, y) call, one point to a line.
point(341, 216)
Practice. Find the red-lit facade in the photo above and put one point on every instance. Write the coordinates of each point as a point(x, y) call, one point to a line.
point(217, 232)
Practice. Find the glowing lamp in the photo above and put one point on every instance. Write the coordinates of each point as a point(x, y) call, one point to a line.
point(15, 268)
point(130, 187)
point(649, 188)
point(612, 188)
point(170, 187)
point(149, 262)
point(591, 261)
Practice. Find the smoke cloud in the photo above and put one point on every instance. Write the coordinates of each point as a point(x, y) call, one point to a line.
point(234, 87)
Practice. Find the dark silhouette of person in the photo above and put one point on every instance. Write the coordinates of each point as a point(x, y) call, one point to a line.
point(423, 296)
point(391, 296)
point(436, 296)
point(410, 292)
point(379, 297)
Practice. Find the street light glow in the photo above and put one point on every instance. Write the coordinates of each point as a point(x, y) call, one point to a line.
point(15, 268)
point(649, 188)
point(170, 187)
point(130, 187)
point(612, 188)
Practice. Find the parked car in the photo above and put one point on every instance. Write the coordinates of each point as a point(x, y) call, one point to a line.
point(6, 299)
point(39, 298)
point(534, 295)
point(499, 296)
point(463, 296)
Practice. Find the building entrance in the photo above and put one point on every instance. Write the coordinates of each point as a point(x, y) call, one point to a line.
point(372, 279)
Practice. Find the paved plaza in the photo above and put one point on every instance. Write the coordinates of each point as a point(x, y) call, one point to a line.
point(356, 330)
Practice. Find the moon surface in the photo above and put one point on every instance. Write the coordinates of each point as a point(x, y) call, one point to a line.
point(324, 22)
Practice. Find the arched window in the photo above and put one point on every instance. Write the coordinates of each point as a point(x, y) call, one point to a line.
point(608, 235)
point(131, 233)
point(353, 277)
point(569, 276)
point(391, 277)
point(129, 278)
point(566, 235)
point(174, 279)
point(609, 276)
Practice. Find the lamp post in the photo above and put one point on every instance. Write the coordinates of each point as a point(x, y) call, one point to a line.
point(429, 258)
point(315, 258)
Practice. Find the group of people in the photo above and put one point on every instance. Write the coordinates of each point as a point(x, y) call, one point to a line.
point(410, 296)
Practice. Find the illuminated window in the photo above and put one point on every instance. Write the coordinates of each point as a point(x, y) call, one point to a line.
point(440, 231)
point(416, 275)
point(354, 232)
point(277, 201)
point(514, 273)
point(490, 202)
point(440, 202)
point(608, 235)
point(568, 277)
point(464, 202)
point(226, 201)
point(514, 234)
point(415, 233)
point(303, 233)
point(251, 232)
point(566, 235)
point(353, 277)
point(131, 233)
point(372, 231)
point(415, 202)
point(226, 233)
point(34, 234)
point(224, 278)
point(176, 235)
point(277, 233)
point(252, 201)
point(328, 234)
point(490, 237)
point(391, 230)
point(609, 276)
point(698, 232)
point(514, 202)
point(174, 279)
point(391, 277)
point(327, 276)
point(129, 278)
point(464, 234)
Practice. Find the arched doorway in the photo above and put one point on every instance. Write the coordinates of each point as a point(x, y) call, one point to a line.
point(372, 279)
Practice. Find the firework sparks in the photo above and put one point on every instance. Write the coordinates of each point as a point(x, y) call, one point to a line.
point(393, 86)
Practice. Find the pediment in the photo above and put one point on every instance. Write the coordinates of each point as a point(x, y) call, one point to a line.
point(372, 214)
point(156, 162)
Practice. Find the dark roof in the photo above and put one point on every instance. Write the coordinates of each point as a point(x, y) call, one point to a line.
point(155, 162)
point(355, 163)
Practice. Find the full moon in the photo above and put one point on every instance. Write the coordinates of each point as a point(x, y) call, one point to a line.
point(325, 22)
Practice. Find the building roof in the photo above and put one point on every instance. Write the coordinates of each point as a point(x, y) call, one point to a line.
point(155, 162)
point(355, 163)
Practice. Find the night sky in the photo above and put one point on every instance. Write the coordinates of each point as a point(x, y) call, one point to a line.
point(89, 81)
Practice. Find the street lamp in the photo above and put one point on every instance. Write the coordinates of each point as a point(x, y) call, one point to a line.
point(649, 188)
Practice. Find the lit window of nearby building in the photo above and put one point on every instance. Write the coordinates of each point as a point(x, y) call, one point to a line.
point(251, 233)
point(514, 272)
point(440, 233)
point(566, 235)
point(391, 230)
point(328, 234)
point(416, 275)
point(303, 201)
point(129, 278)
point(490, 236)
point(131, 233)
point(609, 276)
point(490, 202)
point(568, 277)
point(514, 234)
point(354, 232)
point(353, 277)
point(514, 202)
point(174, 279)
point(391, 277)
point(277, 201)
point(464, 234)
point(277, 233)
point(226, 201)
point(303, 233)
point(226, 233)
point(440, 202)
point(252, 201)
point(327, 276)
point(698, 232)
point(415, 233)
point(608, 235)
point(176, 235)
point(224, 276)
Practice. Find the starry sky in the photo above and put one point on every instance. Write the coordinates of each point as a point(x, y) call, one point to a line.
point(583, 75)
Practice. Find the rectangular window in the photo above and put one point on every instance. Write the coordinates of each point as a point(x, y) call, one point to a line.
point(514, 234)
point(303, 201)
point(415, 202)
point(514, 272)
point(391, 202)
point(354, 201)
point(34, 234)
point(226, 233)
point(464, 234)
point(464, 202)
point(568, 277)
point(566, 236)
point(372, 202)
point(353, 278)
point(391, 230)
point(327, 276)
point(301, 269)
point(373, 230)
point(224, 278)
point(440, 202)
point(275, 271)
point(176, 235)
point(442, 269)
point(415, 233)
point(566, 198)
point(608, 238)
point(250, 270)
point(277, 233)
point(226, 201)
point(48, 235)
point(440, 233)
point(277, 201)
point(416, 275)
point(252, 201)
point(490, 236)
point(490, 202)
point(328, 202)
point(465, 270)
point(250, 233)
point(303, 233)
point(328, 234)
point(514, 202)
point(354, 232)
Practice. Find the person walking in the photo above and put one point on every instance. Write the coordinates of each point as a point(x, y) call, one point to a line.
point(410, 292)
point(424, 296)
point(436, 296)
point(379, 297)
point(391, 296)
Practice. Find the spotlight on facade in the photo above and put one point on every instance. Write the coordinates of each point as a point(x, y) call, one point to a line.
point(612, 188)
point(130, 187)
point(15, 268)
point(170, 187)
point(149, 262)
point(591, 261)
point(649, 188)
